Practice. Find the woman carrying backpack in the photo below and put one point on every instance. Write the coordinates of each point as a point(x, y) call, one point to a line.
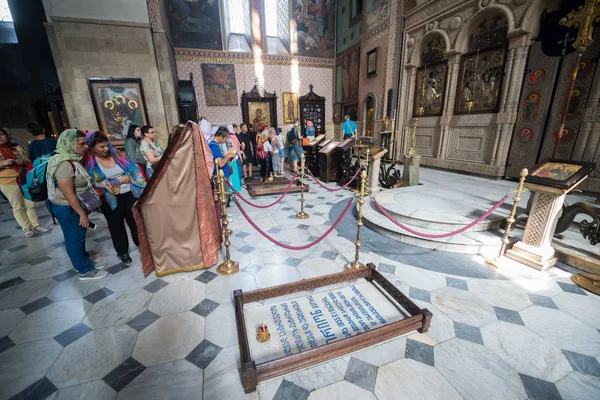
point(69, 183)
point(13, 158)
point(120, 183)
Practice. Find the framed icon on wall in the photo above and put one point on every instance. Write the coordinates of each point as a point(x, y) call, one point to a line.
point(118, 103)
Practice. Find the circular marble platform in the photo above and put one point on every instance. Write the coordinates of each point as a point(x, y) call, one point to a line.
point(433, 209)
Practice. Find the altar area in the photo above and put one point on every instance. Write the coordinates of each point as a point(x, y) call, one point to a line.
point(446, 201)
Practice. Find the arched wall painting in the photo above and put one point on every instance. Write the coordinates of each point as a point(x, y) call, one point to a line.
point(531, 106)
point(482, 69)
point(430, 85)
point(480, 81)
point(430, 89)
point(195, 24)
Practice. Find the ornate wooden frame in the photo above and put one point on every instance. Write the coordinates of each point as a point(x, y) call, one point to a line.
point(311, 98)
point(417, 319)
point(258, 94)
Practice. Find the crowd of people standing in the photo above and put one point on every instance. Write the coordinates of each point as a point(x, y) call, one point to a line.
point(84, 172)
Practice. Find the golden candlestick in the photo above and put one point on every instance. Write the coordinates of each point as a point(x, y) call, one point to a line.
point(413, 143)
point(228, 267)
point(493, 262)
point(356, 264)
point(367, 154)
point(302, 214)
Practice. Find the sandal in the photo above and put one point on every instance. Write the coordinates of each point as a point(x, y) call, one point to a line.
point(42, 229)
point(28, 232)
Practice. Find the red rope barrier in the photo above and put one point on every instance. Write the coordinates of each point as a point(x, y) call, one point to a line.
point(268, 205)
point(304, 247)
point(444, 235)
point(338, 189)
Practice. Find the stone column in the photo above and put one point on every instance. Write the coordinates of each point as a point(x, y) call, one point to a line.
point(511, 103)
point(448, 109)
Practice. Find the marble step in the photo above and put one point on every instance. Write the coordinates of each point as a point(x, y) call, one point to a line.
point(484, 242)
point(439, 212)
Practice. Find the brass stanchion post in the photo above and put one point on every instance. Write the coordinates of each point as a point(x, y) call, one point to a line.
point(356, 264)
point(302, 214)
point(228, 267)
point(493, 262)
point(367, 154)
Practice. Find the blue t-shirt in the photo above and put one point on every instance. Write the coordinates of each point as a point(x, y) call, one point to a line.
point(310, 131)
point(38, 148)
point(217, 153)
point(349, 127)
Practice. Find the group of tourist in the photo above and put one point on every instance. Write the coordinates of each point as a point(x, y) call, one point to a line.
point(83, 173)
point(262, 145)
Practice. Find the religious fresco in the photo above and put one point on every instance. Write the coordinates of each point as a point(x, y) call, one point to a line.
point(434, 50)
point(531, 106)
point(574, 105)
point(430, 88)
point(377, 11)
point(314, 27)
point(220, 87)
point(567, 135)
point(537, 76)
point(524, 135)
point(350, 74)
point(480, 80)
point(195, 23)
point(583, 69)
point(490, 32)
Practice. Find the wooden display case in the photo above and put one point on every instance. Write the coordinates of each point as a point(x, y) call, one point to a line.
point(310, 151)
point(395, 314)
point(329, 161)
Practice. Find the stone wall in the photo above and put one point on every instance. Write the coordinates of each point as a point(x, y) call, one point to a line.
point(88, 42)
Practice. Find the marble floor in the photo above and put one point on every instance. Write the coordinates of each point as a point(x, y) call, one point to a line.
point(510, 334)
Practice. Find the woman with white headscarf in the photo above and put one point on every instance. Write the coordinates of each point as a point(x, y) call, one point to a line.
point(207, 131)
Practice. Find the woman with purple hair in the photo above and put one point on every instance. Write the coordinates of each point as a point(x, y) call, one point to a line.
point(120, 183)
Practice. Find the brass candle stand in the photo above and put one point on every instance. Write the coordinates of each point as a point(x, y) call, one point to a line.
point(301, 214)
point(493, 262)
point(413, 143)
point(228, 267)
point(356, 264)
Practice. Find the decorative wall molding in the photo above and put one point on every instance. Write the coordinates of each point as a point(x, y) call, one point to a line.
point(215, 56)
point(154, 15)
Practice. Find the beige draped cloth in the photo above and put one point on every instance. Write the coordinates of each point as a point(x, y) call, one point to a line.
point(176, 215)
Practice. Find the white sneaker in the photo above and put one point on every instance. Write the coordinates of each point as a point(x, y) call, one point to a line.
point(91, 275)
point(99, 266)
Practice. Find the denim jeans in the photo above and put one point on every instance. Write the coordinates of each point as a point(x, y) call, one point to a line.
point(74, 237)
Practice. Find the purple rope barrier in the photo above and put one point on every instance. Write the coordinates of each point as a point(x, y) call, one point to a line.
point(337, 189)
point(268, 205)
point(444, 235)
point(288, 247)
